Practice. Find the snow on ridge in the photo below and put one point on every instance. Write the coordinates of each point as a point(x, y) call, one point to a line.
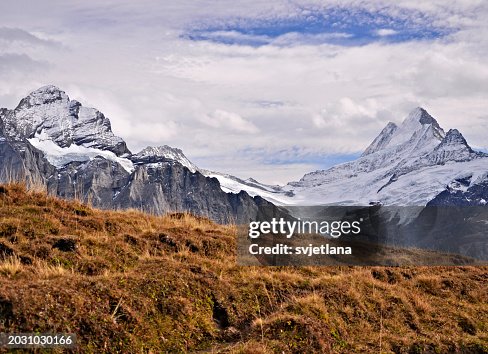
point(231, 184)
point(228, 183)
point(407, 163)
point(59, 156)
point(166, 152)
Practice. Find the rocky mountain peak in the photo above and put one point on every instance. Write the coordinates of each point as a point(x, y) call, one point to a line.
point(418, 131)
point(453, 148)
point(455, 141)
point(454, 137)
point(43, 95)
point(155, 154)
point(382, 139)
point(161, 151)
point(419, 117)
point(49, 112)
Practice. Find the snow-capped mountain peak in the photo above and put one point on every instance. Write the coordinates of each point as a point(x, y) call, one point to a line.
point(48, 110)
point(453, 148)
point(419, 130)
point(420, 115)
point(406, 164)
point(455, 138)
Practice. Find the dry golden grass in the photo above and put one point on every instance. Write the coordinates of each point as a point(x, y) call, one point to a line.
point(44, 270)
point(10, 266)
point(130, 282)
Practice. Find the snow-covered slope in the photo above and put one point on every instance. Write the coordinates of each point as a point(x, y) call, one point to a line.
point(408, 164)
point(60, 156)
point(232, 184)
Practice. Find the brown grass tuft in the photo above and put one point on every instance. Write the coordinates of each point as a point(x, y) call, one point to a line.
point(10, 266)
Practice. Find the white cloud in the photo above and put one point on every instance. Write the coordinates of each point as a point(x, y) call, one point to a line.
point(384, 32)
point(344, 114)
point(229, 120)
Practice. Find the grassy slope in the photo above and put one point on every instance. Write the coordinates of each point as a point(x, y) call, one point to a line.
point(137, 282)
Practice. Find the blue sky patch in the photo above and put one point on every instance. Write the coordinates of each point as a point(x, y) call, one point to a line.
point(341, 26)
point(298, 155)
point(321, 161)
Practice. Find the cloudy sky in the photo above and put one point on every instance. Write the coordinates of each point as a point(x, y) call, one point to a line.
point(270, 90)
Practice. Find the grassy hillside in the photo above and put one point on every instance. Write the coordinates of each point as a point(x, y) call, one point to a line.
point(132, 282)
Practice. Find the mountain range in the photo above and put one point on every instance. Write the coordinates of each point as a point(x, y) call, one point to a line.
point(69, 149)
point(414, 163)
point(55, 143)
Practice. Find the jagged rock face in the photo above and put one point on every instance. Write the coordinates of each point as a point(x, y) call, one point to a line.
point(19, 160)
point(158, 189)
point(50, 112)
point(171, 186)
point(2, 114)
point(96, 181)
